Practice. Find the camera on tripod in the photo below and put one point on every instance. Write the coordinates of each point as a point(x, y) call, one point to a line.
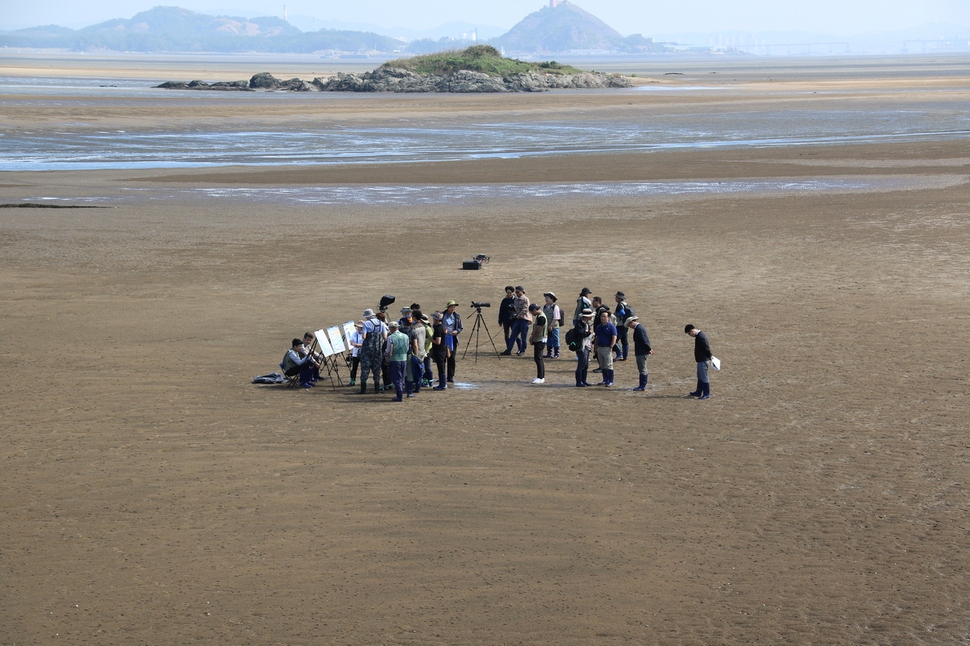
point(386, 300)
point(478, 306)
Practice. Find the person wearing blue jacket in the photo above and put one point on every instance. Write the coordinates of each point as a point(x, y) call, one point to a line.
point(605, 340)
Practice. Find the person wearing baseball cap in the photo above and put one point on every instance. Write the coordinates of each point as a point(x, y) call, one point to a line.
point(622, 312)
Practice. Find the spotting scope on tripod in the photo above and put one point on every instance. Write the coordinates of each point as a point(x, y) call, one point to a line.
point(477, 329)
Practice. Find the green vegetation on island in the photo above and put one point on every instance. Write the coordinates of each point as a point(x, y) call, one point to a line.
point(477, 58)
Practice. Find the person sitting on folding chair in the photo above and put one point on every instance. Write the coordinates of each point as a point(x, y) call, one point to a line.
point(308, 340)
point(298, 361)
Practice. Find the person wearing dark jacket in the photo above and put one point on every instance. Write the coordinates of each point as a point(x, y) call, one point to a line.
point(641, 348)
point(452, 322)
point(298, 361)
point(584, 345)
point(439, 350)
point(506, 314)
point(623, 312)
point(702, 355)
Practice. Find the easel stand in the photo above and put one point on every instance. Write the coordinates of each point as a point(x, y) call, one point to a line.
point(333, 369)
point(330, 364)
point(476, 331)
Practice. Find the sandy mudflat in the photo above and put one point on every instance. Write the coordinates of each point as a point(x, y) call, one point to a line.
point(152, 495)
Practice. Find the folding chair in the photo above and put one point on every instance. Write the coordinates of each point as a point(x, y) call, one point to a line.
point(292, 381)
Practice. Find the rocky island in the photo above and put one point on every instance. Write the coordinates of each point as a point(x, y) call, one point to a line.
point(480, 68)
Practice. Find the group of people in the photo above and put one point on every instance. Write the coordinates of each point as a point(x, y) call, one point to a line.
point(400, 353)
point(597, 330)
point(594, 325)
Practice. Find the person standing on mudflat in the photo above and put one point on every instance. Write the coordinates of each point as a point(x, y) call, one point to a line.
point(623, 312)
point(439, 349)
point(452, 323)
point(506, 315)
point(398, 345)
point(553, 321)
point(538, 338)
point(520, 323)
point(583, 332)
point(605, 340)
point(582, 303)
point(702, 355)
point(641, 349)
point(373, 333)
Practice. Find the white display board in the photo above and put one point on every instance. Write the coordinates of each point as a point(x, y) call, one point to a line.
point(323, 343)
point(336, 341)
point(349, 329)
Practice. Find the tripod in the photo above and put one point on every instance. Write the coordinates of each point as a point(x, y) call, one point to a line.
point(476, 331)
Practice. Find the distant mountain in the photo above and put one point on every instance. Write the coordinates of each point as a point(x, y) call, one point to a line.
point(173, 29)
point(567, 28)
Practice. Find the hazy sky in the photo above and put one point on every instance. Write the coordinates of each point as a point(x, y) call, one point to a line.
point(626, 16)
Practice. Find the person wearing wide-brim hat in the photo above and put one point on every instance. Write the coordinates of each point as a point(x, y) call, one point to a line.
point(584, 345)
point(553, 314)
point(451, 321)
point(355, 340)
point(373, 333)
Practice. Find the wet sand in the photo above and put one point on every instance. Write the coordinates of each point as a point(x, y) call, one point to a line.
point(151, 494)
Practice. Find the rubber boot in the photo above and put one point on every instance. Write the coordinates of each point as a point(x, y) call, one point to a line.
point(706, 394)
point(363, 388)
point(643, 383)
point(699, 391)
point(609, 377)
point(626, 351)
